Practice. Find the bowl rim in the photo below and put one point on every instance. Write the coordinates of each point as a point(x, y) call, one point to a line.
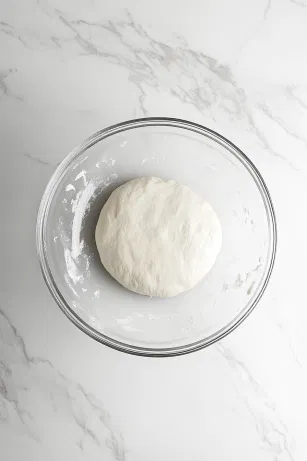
point(42, 247)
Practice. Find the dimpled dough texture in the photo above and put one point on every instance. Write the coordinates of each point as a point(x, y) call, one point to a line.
point(157, 237)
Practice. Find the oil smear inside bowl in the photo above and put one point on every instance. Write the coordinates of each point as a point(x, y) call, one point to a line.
point(80, 202)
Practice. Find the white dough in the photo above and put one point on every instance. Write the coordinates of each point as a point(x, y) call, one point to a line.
point(157, 237)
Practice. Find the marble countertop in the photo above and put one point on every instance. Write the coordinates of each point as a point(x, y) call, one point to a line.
point(70, 68)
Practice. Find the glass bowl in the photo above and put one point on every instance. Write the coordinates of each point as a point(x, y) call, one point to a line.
point(171, 149)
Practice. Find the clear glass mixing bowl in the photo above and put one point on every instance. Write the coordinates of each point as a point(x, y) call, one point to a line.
point(172, 149)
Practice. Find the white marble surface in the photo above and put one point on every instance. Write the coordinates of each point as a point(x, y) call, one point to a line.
point(70, 68)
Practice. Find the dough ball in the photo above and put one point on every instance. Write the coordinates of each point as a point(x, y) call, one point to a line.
point(157, 237)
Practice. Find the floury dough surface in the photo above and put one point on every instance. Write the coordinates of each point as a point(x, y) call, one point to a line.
point(157, 237)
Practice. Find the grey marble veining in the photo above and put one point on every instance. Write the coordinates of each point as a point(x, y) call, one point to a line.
point(30, 387)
